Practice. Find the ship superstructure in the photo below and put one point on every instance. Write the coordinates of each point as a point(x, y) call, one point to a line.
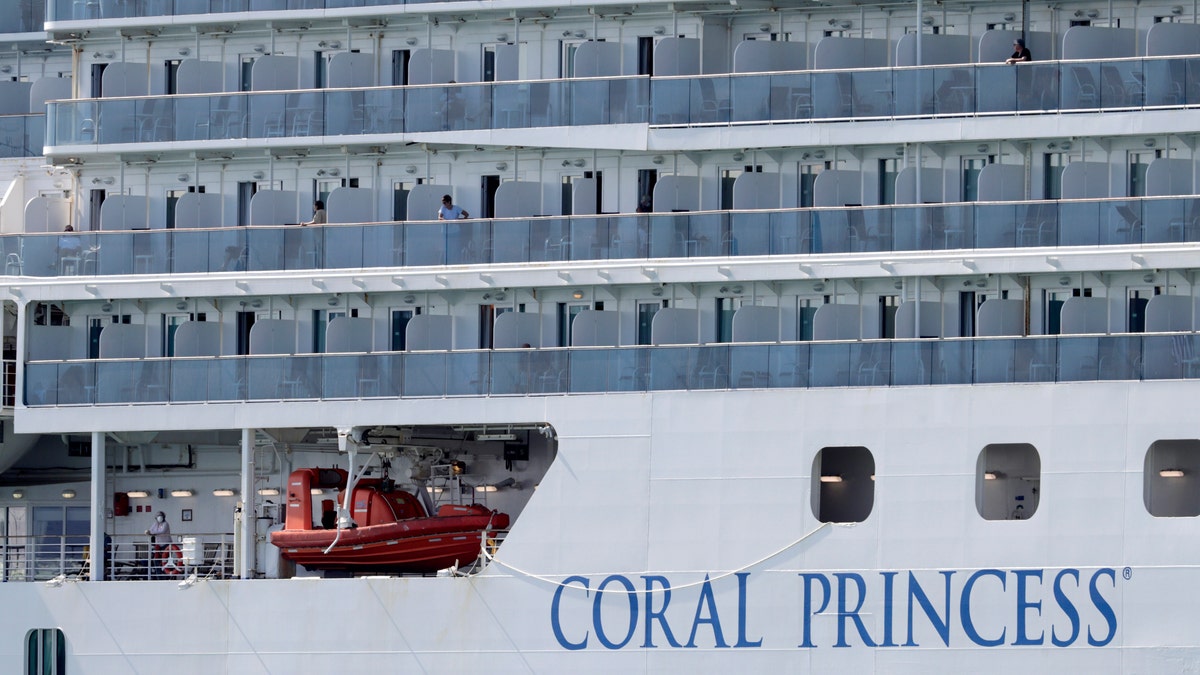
point(791, 336)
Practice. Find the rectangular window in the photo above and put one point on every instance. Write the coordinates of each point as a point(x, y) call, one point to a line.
point(728, 178)
point(400, 319)
point(171, 69)
point(566, 319)
point(888, 169)
point(645, 56)
point(1053, 164)
point(247, 74)
point(888, 304)
point(725, 311)
point(1138, 163)
point(170, 324)
point(804, 318)
point(808, 177)
point(645, 315)
point(400, 59)
point(45, 652)
point(400, 192)
point(971, 167)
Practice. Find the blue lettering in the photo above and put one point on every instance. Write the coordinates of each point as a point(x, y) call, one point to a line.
point(597, 618)
point(1023, 606)
point(965, 608)
point(1068, 608)
point(889, 582)
point(1102, 605)
point(852, 614)
point(652, 615)
point(742, 641)
point(808, 611)
point(554, 625)
point(707, 601)
point(940, 624)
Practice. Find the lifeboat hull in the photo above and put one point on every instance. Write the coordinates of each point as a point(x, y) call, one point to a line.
point(417, 545)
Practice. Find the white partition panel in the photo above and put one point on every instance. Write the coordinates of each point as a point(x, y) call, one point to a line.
point(594, 328)
point(199, 77)
point(348, 334)
point(598, 59)
point(424, 201)
point(1001, 317)
point(997, 45)
point(1166, 176)
point(1168, 313)
point(1001, 183)
point(273, 336)
point(273, 73)
point(350, 205)
point(583, 197)
point(677, 193)
point(14, 97)
point(47, 214)
point(431, 66)
point(518, 199)
point(756, 191)
point(124, 79)
point(509, 62)
point(1173, 39)
point(848, 52)
point(273, 207)
point(1084, 315)
point(933, 182)
point(198, 338)
point(198, 209)
point(516, 329)
point(123, 341)
point(675, 326)
point(352, 69)
point(936, 50)
point(760, 56)
point(124, 212)
point(48, 89)
point(429, 332)
point(677, 56)
point(935, 316)
point(837, 322)
point(838, 188)
point(753, 323)
point(49, 343)
point(1097, 42)
point(1086, 180)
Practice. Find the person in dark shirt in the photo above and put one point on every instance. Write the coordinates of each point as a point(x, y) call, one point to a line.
point(1020, 52)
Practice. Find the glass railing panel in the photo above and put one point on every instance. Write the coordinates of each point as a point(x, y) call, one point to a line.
point(303, 247)
point(1084, 223)
point(594, 370)
point(792, 232)
point(750, 367)
point(266, 115)
point(1035, 360)
point(1163, 81)
point(190, 379)
point(1119, 357)
point(118, 122)
point(28, 17)
point(468, 242)
point(632, 369)
point(1121, 222)
point(131, 381)
point(791, 96)
point(839, 231)
point(41, 384)
point(668, 236)
point(996, 225)
point(1038, 86)
point(752, 100)
point(1081, 86)
point(953, 362)
point(469, 107)
point(707, 235)
point(710, 100)
point(154, 120)
point(996, 361)
point(872, 93)
point(830, 364)
point(514, 372)
point(591, 102)
point(383, 111)
point(671, 101)
point(630, 237)
point(381, 245)
point(243, 116)
point(870, 364)
point(708, 367)
point(467, 373)
point(918, 92)
point(953, 90)
point(511, 241)
point(152, 252)
point(832, 95)
point(424, 244)
point(347, 113)
point(751, 233)
point(1122, 84)
point(1166, 220)
point(1171, 356)
point(341, 375)
point(996, 88)
point(669, 368)
point(425, 374)
point(1079, 359)
point(912, 363)
point(589, 238)
point(789, 365)
point(425, 109)
point(14, 140)
point(183, 7)
point(549, 372)
point(1192, 85)
point(549, 239)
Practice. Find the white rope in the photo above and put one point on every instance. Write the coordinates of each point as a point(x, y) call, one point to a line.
point(553, 582)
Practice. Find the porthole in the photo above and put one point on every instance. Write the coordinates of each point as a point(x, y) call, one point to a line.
point(1169, 480)
point(843, 484)
point(1008, 479)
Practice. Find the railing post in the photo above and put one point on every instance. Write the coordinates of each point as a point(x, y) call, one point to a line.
point(97, 549)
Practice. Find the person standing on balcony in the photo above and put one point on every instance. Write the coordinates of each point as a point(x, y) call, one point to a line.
point(160, 541)
point(1020, 53)
point(449, 211)
point(318, 214)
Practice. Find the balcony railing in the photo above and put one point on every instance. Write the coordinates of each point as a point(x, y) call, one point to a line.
point(888, 93)
point(127, 557)
point(623, 369)
point(25, 16)
point(927, 227)
point(22, 135)
point(81, 10)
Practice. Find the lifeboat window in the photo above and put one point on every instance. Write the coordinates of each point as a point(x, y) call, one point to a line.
point(843, 484)
point(1008, 480)
point(1168, 483)
point(45, 652)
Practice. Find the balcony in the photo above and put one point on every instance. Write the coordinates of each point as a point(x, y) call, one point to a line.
point(22, 135)
point(928, 227)
point(526, 372)
point(83, 10)
point(791, 97)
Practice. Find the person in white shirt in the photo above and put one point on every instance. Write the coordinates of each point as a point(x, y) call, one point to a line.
point(449, 211)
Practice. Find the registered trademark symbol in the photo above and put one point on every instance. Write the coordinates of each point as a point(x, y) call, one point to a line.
point(1127, 573)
